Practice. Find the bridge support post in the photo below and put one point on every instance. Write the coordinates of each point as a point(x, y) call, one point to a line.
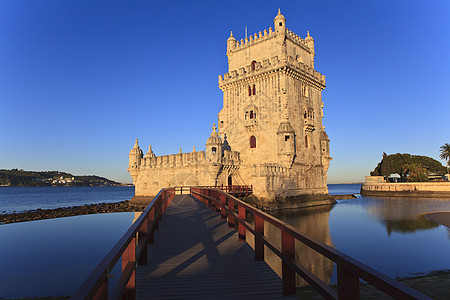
point(142, 235)
point(230, 213)
point(129, 256)
point(218, 200)
point(288, 275)
point(348, 283)
point(151, 222)
point(241, 228)
point(259, 245)
point(223, 201)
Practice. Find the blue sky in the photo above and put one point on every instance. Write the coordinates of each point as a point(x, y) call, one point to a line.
point(80, 80)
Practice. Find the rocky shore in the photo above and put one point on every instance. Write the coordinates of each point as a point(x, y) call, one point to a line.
point(41, 214)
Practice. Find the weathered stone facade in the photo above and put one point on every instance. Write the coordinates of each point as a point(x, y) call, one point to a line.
point(272, 114)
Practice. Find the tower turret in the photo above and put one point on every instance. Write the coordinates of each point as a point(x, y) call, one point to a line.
point(135, 161)
point(231, 42)
point(310, 42)
point(214, 155)
point(135, 155)
point(279, 24)
point(214, 146)
point(286, 143)
point(149, 152)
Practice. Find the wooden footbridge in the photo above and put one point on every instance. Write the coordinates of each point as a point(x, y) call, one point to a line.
point(192, 246)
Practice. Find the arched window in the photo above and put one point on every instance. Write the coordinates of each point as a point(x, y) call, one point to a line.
point(306, 141)
point(253, 65)
point(251, 114)
point(252, 141)
point(254, 89)
point(249, 90)
point(213, 149)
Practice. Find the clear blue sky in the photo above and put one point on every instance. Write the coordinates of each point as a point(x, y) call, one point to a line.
point(80, 80)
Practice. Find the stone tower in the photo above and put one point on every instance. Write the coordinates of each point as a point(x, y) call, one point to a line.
point(272, 114)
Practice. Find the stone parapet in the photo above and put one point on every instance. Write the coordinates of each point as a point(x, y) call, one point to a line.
point(291, 66)
point(407, 189)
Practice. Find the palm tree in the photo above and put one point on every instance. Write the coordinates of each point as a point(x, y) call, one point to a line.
point(445, 153)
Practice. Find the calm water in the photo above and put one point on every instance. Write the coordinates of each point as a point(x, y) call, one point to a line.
point(21, 199)
point(53, 257)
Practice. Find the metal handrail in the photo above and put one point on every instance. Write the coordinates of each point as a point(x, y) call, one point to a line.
point(132, 248)
point(349, 270)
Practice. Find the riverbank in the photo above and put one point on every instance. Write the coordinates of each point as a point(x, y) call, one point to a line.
point(42, 214)
point(439, 217)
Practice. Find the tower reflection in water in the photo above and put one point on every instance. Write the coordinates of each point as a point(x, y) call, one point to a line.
point(312, 222)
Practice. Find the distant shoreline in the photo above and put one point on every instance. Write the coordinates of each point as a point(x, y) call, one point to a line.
point(41, 186)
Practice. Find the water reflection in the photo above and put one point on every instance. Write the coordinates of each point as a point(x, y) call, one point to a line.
point(403, 215)
point(312, 222)
point(53, 257)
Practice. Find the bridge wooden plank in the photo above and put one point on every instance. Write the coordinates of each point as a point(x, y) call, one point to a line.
point(197, 256)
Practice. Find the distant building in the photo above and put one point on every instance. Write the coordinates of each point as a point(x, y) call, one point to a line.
point(270, 132)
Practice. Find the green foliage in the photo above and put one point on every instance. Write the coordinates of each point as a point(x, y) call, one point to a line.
point(417, 173)
point(416, 166)
point(445, 154)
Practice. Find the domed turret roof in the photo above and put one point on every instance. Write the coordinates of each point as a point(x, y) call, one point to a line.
point(150, 152)
point(214, 139)
point(225, 145)
point(324, 136)
point(308, 37)
point(285, 127)
point(231, 38)
point(136, 150)
point(279, 16)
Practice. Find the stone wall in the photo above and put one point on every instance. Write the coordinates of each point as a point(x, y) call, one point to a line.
point(407, 189)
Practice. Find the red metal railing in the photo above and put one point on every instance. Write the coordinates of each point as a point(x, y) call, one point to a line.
point(132, 248)
point(230, 189)
point(349, 270)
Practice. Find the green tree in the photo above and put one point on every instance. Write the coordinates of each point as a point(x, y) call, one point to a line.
point(417, 173)
point(445, 154)
point(405, 164)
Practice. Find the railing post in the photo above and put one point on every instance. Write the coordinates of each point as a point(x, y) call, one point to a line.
point(142, 234)
point(241, 228)
point(102, 292)
point(259, 245)
point(129, 255)
point(230, 213)
point(151, 222)
point(288, 275)
point(217, 202)
point(348, 283)
point(223, 201)
point(155, 211)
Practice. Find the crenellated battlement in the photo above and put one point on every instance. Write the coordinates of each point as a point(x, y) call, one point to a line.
point(174, 160)
point(265, 35)
point(268, 65)
point(229, 158)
